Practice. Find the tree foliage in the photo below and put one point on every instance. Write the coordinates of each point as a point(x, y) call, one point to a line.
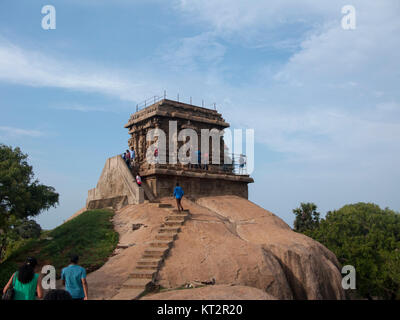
point(21, 196)
point(307, 217)
point(28, 229)
point(367, 237)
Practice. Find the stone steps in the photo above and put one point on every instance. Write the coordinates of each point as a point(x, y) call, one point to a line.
point(169, 229)
point(152, 262)
point(143, 274)
point(176, 211)
point(155, 253)
point(136, 283)
point(164, 205)
point(148, 266)
point(173, 223)
point(151, 256)
point(166, 236)
point(161, 244)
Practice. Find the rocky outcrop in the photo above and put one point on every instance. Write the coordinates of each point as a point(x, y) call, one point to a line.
point(237, 242)
point(311, 269)
point(217, 292)
point(227, 241)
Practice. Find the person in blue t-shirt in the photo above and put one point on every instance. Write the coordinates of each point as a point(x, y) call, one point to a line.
point(178, 194)
point(133, 155)
point(74, 280)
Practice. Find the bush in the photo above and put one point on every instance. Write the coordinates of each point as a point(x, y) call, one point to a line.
point(367, 237)
point(29, 229)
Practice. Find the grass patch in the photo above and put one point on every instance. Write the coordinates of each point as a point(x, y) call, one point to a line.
point(90, 235)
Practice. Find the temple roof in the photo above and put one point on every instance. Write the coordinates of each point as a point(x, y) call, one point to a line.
point(174, 109)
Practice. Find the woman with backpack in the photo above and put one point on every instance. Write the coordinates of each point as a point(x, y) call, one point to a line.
point(25, 283)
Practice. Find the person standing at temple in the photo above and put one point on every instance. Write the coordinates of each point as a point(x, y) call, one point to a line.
point(206, 159)
point(242, 163)
point(156, 155)
point(199, 165)
point(138, 180)
point(178, 194)
point(132, 154)
point(128, 158)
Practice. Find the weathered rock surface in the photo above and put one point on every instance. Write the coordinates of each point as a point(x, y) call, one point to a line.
point(310, 268)
point(105, 282)
point(228, 239)
point(217, 292)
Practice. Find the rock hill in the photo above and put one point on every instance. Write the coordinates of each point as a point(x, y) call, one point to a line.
point(245, 250)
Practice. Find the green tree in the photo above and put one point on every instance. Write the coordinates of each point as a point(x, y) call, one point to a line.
point(29, 229)
point(21, 196)
point(307, 217)
point(367, 237)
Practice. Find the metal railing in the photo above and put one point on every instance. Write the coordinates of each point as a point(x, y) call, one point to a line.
point(239, 162)
point(154, 99)
point(232, 164)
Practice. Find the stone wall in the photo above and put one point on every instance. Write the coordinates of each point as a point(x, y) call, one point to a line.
point(116, 187)
point(194, 187)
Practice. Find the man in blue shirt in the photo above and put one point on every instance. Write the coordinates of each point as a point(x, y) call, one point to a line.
point(178, 194)
point(133, 154)
point(74, 280)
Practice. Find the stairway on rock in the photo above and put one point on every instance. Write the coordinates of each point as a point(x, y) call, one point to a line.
point(147, 268)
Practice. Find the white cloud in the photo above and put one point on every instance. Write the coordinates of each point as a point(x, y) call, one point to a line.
point(365, 57)
point(32, 68)
point(202, 52)
point(11, 131)
point(82, 108)
point(389, 106)
point(225, 15)
point(252, 22)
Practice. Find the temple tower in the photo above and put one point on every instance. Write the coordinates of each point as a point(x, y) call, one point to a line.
point(160, 172)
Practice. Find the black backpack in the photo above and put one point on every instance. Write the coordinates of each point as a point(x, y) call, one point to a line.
point(9, 294)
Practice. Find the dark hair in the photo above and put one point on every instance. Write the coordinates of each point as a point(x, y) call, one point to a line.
point(27, 270)
point(57, 294)
point(74, 258)
point(177, 184)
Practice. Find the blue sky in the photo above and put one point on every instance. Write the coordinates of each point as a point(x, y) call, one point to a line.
point(324, 102)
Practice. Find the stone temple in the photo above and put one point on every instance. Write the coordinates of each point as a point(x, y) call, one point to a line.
point(117, 186)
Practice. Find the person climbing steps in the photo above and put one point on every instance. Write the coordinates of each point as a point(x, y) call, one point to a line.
point(178, 194)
